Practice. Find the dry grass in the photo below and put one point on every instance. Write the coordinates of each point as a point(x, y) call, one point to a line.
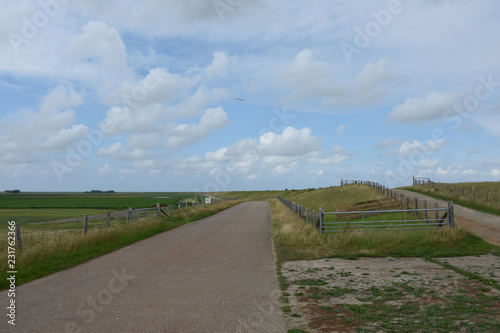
point(296, 240)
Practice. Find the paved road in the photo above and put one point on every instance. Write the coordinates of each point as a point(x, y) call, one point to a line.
point(214, 275)
point(486, 226)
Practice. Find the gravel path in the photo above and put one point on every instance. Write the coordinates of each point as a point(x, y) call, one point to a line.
point(486, 226)
point(214, 275)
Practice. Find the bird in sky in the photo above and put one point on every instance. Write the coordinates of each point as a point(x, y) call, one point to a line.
point(240, 99)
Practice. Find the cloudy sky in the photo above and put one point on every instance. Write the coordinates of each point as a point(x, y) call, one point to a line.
point(204, 95)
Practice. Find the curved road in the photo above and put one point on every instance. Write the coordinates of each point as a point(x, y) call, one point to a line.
point(486, 226)
point(214, 275)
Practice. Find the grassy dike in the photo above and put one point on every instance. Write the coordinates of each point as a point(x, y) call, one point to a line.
point(48, 254)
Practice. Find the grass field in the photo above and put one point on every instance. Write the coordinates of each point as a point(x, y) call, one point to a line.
point(37, 207)
point(90, 200)
point(463, 194)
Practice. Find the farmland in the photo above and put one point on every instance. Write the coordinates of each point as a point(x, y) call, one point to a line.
point(36, 207)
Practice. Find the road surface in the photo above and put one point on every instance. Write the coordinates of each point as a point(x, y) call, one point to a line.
point(486, 226)
point(214, 275)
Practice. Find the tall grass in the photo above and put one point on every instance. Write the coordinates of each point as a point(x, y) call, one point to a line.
point(465, 197)
point(294, 239)
point(48, 252)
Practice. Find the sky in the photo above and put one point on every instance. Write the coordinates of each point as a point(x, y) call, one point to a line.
point(222, 95)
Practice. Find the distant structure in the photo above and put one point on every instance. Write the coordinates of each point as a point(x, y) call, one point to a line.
point(12, 191)
point(99, 191)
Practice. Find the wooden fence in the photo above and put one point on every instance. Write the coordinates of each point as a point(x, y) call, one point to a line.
point(454, 189)
point(129, 214)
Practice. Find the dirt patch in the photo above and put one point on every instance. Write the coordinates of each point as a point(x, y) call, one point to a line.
point(392, 294)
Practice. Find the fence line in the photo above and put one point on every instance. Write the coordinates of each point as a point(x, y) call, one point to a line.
point(419, 209)
point(460, 190)
point(137, 213)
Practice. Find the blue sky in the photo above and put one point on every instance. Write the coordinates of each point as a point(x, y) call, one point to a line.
point(143, 96)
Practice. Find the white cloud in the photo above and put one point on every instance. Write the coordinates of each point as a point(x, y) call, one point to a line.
point(387, 143)
point(432, 107)
point(495, 173)
point(317, 173)
point(99, 44)
point(417, 147)
point(218, 67)
point(469, 172)
point(182, 134)
point(117, 151)
point(291, 142)
point(340, 129)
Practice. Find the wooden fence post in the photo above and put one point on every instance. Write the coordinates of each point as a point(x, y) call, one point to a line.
point(108, 220)
point(85, 222)
point(408, 203)
point(307, 215)
point(473, 192)
point(321, 220)
point(18, 237)
point(486, 194)
point(425, 213)
point(158, 212)
point(416, 206)
point(451, 214)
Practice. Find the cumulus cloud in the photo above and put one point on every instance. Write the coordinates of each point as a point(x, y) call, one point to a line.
point(415, 146)
point(291, 142)
point(49, 130)
point(432, 107)
point(182, 134)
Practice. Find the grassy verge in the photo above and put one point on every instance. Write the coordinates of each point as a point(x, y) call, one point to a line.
point(296, 240)
point(492, 206)
point(48, 253)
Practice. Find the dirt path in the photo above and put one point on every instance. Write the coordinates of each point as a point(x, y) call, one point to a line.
point(214, 275)
point(486, 226)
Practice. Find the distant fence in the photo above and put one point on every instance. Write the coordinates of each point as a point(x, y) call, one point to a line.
point(412, 215)
point(455, 189)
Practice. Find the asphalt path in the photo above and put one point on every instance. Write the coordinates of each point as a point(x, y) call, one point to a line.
point(486, 226)
point(214, 275)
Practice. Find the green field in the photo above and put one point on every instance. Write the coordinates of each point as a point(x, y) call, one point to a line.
point(114, 201)
point(37, 207)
